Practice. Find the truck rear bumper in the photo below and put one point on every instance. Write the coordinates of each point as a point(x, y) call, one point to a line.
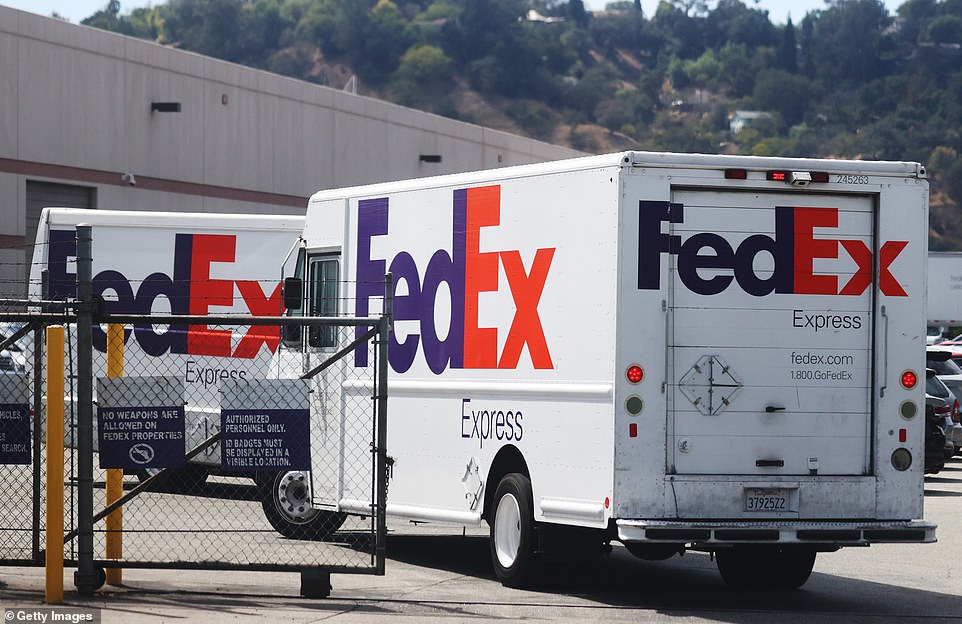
point(841, 533)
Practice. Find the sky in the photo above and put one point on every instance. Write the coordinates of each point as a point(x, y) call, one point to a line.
point(77, 10)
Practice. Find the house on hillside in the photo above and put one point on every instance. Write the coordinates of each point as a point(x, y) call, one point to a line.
point(741, 119)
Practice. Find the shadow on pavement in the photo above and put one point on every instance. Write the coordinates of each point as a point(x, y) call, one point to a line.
point(682, 584)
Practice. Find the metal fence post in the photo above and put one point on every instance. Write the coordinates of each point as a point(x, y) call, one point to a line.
point(53, 562)
point(115, 476)
point(38, 351)
point(385, 325)
point(84, 578)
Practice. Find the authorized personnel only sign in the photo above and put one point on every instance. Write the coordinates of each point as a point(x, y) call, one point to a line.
point(14, 419)
point(140, 422)
point(265, 424)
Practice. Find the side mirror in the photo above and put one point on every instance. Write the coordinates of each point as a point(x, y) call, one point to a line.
point(293, 293)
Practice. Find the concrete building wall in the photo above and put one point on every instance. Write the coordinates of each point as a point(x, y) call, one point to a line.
point(75, 108)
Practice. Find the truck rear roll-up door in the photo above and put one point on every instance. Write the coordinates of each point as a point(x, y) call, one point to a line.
point(770, 333)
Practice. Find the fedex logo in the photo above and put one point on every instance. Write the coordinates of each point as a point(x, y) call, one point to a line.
point(794, 249)
point(189, 289)
point(467, 272)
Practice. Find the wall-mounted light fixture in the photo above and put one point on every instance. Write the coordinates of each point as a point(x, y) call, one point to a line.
point(430, 158)
point(165, 107)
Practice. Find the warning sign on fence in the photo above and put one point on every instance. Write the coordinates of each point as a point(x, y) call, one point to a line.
point(140, 422)
point(265, 425)
point(14, 419)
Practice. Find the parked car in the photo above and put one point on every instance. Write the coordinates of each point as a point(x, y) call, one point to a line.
point(17, 350)
point(9, 366)
point(947, 371)
point(936, 389)
point(953, 344)
point(934, 434)
point(934, 334)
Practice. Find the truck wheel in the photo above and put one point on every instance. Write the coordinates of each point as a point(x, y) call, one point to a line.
point(512, 531)
point(793, 566)
point(286, 500)
point(778, 567)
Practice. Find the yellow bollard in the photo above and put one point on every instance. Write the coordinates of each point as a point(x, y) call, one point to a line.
point(115, 476)
point(53, 592)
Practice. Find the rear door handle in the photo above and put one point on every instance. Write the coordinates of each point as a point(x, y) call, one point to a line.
point(774, 408)
point(770, 463)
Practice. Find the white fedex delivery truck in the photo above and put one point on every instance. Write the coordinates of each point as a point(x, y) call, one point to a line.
point(671, 351)
point(171, 263)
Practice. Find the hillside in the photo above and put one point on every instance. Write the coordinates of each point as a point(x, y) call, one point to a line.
point(848, 81)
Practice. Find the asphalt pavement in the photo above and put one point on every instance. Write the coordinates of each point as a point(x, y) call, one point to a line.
point(442, 574)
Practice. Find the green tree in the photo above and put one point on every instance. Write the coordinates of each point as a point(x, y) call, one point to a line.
point(425, 63)
point(915, 15)
point(788, 94)
point(209, 27)
point(946, 29)
point(786, 56)
point(385, 36)
point(577, 13)
point(845, 41)
point(732, 21)
point(953, 182)
point(941, 160)
point(682, 33)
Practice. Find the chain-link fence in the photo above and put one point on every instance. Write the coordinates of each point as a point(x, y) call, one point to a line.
point(22, 473)
point(219, 443)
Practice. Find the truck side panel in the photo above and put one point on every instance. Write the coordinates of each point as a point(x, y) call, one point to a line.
point(503, 336)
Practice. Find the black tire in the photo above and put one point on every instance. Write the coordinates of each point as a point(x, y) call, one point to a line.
point(286, 501)
point(773, 567)
point(512, 540)
point(187, 480)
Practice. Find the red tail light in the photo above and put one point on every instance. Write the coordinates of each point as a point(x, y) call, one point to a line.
point(945, 409)
point(955, 412)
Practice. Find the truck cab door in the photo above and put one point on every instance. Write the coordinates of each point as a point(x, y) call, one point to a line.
point(318, 343)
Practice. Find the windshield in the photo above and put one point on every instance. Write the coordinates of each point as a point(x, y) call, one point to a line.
point(933, 330)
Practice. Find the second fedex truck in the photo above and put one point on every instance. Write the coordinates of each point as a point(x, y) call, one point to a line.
point(189, 264)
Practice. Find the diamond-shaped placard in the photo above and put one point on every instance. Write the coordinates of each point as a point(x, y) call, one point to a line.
point(710, 385)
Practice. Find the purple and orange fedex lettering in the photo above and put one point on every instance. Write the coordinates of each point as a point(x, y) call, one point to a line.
point(207, 292)
point(808, 248)
point(188, 290)
point(480, 275)
point(468, 272)
point(794, 249)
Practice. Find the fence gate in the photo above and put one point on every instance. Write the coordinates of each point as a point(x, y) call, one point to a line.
point(218, 443)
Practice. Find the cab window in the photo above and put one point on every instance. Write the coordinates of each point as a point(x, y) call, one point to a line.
point(322, 298)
